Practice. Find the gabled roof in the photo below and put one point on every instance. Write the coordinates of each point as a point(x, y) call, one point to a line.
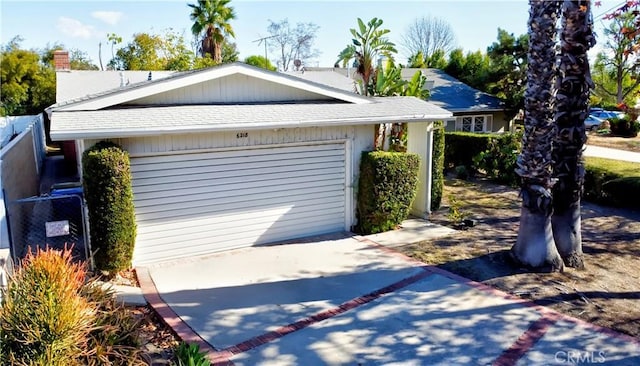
point(454, 95)
point(149, 121)
point(186, 103)
point(446, 91)
point(148, 89)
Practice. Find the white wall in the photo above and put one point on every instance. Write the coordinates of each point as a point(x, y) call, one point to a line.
point(360, 139)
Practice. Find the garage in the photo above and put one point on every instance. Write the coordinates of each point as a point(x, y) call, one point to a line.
point(192, 204)
point(235, 156)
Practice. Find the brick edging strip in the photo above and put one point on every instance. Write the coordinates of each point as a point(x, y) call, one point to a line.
point(171, 319)
point(526, 341)
point(318, 317)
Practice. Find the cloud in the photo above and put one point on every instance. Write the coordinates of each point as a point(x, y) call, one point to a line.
point(74, 28)
point(109, 17)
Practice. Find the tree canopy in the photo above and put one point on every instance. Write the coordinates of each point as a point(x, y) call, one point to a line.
point(368, 44)
point(260, 61)
point(428, 35)
point(28, 81)
point(211, 25)
point(292, 43)
point(615, 73)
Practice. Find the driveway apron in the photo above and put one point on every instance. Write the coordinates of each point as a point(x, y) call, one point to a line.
point(351, 301)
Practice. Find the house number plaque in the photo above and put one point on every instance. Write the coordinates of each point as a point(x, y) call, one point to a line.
point(242, 135)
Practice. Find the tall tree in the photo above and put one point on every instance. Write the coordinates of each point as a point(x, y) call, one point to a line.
point(617, 73)
point(154, 52)
point(211, 25)
point(572, 107)
point(369, 42)
point(28, 83)
point(535, 246)
point(428, 34)
point(507, 79)
point(292, 43)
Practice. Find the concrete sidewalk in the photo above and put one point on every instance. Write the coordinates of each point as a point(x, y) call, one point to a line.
point(353, 301)
point(609, 153)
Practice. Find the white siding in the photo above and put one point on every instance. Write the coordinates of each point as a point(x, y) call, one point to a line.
point(235, 88)
point(192, 204)
point(420, 141)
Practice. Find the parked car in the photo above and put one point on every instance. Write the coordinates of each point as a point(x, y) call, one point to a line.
point(592, 122)
point(603, 114)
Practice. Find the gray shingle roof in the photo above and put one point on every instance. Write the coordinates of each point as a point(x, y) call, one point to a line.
point(454, 95)
point(129, 122)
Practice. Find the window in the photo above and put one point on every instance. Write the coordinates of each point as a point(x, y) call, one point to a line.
point(474, 123)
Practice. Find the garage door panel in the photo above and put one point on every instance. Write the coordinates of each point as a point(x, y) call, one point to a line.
point(249, 152)
point(309, 169)
point(230, 199)
point(246, 165)
point(170, 252)
point(163, 164)
point(192, 204)
point(255, 227)
point(250, 187)
point(159, 217)
point(208, 218)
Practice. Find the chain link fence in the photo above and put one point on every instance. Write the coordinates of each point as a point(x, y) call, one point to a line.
point(49, 222)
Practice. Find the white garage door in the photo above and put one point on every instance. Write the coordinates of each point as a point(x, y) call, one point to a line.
point(191, 204)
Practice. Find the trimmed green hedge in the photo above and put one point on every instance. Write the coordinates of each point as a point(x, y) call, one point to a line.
point(387, 186)
point(437, 167)
point(463, 146)
point(109, 196)
point(612, 182)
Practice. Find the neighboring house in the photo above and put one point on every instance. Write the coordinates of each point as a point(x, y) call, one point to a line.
point(235, 156)
point(473, 110)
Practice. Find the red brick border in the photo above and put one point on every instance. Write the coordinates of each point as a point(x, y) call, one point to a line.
point(318, 317)
point(169, 317)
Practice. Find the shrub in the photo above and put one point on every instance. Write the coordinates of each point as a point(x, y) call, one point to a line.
point(624, 127)
point(437, 167)
point(107, 187)
point(188, 354)
point(463, 146)
point(44, 319)
point(387, 187)
point(610, 181)
point(499, 161)
point(114, 339)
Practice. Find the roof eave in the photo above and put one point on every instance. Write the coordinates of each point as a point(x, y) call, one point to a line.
point(144, 132)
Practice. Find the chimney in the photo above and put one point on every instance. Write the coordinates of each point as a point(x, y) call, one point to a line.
point(61, 60)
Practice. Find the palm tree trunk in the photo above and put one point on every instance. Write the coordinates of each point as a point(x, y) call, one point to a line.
point(572, 105)
point(535, 246)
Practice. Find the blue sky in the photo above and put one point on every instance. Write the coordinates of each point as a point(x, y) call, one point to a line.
point(84, 24)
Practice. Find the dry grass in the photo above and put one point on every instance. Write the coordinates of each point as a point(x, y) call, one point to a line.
point(607, 292)
point(622, 143)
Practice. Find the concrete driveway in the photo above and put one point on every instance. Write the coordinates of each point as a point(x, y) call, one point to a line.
point(351, 301)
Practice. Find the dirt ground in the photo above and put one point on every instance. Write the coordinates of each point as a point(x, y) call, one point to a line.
point(606, 292)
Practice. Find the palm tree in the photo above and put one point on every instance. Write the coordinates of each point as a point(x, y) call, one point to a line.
point(572, 107)
point(211, 23)
point(369, 43)
point(535, 246)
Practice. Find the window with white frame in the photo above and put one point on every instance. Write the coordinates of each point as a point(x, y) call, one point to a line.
point(480, 123)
